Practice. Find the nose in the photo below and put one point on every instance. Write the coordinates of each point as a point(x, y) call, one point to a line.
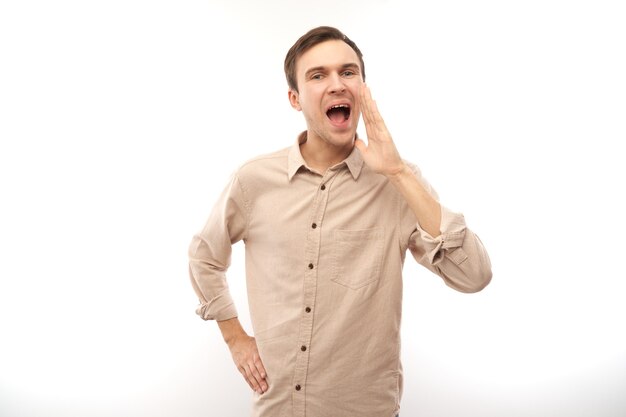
point(336, 84)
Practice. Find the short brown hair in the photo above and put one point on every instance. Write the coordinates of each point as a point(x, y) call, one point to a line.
point(310, 39)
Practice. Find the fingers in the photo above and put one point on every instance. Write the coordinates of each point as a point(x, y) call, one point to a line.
point(368, 105)
point(365, 99)
point(257, 374)
point(253, 377)
point(251, 367)
point(260, 368)
point(374, 124)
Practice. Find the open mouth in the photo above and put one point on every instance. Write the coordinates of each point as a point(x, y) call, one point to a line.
point(338, 113)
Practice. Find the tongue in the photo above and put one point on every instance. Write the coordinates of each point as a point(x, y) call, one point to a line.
point(336, 116)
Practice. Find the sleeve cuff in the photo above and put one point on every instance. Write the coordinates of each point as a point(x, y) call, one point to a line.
point(449, 242)
point(219, 308)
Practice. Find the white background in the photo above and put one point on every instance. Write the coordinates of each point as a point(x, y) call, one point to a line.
point(120, 122)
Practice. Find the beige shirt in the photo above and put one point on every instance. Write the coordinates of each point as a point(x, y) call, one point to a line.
point(324, 257)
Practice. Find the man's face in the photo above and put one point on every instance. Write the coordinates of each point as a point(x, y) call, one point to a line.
point(329, 77)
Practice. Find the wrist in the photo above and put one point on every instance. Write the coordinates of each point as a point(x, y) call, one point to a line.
point(399, 173)
point(231, 330)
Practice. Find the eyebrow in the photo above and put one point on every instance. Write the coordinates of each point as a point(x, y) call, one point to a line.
point(350, 65)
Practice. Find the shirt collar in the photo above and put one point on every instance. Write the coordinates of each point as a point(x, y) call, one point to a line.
point(295, 161)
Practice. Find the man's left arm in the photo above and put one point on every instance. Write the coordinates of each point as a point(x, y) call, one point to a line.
point(467, 267)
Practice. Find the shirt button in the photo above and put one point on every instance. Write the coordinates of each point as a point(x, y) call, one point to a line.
point(303, 348)
point(298, 387)
point(323, 187)
point(314, 225)
point(310, 266)
point(308, 309)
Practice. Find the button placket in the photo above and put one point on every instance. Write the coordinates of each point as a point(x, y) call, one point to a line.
point(312, 250)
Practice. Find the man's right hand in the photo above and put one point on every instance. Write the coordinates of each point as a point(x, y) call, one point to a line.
point(245, 354)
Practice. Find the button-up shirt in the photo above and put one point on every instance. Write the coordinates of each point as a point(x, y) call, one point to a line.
point(324, 255)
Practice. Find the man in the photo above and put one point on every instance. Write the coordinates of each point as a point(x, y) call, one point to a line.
point(326, 225)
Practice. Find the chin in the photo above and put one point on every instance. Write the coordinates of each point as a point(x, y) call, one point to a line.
point(342, 139)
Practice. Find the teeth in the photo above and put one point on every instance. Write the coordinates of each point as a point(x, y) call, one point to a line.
point(338, 106)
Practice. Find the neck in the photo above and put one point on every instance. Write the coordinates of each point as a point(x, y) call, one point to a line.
point(321, 155)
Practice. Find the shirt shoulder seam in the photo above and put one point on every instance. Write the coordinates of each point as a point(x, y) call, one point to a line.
point(283, 153)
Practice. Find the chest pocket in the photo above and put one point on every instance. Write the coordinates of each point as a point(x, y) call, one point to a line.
point(357, 256)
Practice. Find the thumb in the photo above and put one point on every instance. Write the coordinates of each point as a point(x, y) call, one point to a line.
point(360, 145)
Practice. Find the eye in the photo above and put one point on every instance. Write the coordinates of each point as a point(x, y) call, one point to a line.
point(316, 76)
point(348, 73)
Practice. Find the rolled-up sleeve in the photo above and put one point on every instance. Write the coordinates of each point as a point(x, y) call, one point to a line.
point(210, 253)
point(457, 255)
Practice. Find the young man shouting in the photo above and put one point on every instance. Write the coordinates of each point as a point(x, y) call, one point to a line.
point(326, 224)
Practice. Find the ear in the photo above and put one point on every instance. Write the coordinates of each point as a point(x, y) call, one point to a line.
point(294, 99)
